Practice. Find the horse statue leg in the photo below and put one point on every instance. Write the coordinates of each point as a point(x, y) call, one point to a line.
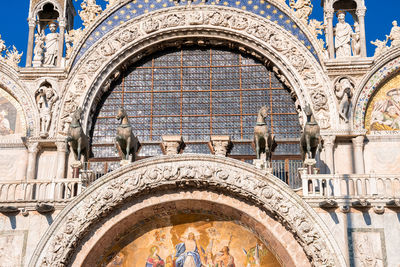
point(128, 148)
point(308, 142)
point(79, 149)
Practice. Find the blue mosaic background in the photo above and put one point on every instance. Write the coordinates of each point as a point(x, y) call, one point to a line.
point(138, 7)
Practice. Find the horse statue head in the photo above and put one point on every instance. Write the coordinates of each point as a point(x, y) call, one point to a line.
point(121, 113)
point(262, 114)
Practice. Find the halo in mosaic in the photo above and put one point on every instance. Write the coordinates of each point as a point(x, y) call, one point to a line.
point(139, 7)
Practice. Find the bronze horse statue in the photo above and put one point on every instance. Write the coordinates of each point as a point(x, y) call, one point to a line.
point(76, 138)
point(310, 139)
point(126, 140)
point(264, 141)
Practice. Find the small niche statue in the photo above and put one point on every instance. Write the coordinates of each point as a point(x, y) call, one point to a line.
point(76, 138)
point(126, 141)
point(46, 101)
point(310, 139)
point(51, 46)
point(394, 35)
point(264, 141)
point(344, 93)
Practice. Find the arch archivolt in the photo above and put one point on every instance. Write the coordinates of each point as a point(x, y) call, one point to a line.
point(9, 82)
point(183, 173)
point(384, 68)
point(273, 45)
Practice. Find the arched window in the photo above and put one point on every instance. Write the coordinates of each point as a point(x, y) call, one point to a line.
point(196, 93)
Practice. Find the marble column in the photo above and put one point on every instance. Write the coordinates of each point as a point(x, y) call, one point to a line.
point(33, 149)
point(361, 21)
point(61, 157)
point(61, 42)
point(329, 143)
point(29, 52)
point(358, 145)
point(329, 40)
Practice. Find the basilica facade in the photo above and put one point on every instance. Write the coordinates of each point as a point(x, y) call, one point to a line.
point(200, 133)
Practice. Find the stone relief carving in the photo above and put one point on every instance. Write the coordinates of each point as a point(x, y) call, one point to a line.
point(381, 47)
point(46, 101)
point(186, 174)
point(344, 92)
point(12, 57)
point(90, 10)
point(71, 40)
point(133, 30)
point(394, 37)
point(302, 9)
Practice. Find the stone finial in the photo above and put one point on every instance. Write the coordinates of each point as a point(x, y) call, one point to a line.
point(172, 144)
point(221, 144)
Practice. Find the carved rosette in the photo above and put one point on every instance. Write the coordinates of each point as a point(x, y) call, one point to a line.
point(303, 72)
point(208, 173)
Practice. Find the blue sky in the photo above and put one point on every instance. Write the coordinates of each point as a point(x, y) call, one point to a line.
point(14, 26)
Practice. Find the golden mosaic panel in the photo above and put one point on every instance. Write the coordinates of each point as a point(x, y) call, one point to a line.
point(192, 241)
point(383, 112)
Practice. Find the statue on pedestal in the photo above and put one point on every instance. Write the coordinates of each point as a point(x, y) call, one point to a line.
point(264, 141)
point(51, 46)
point(343, 34)
point(394, 34)
point(310, 139)
point(76, 138)
point(46, 101)
point(127, 142)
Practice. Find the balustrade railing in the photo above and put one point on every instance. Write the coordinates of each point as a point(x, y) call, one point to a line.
point(351, 185)
point(37, 190)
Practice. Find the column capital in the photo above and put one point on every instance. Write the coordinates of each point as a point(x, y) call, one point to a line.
point(329, 140)
point(172, 144)
point(358, 141)
point(33, 147)
point(61, 146)
point(360, 12)
point(32, 22)
point(221, 144)
point(329, 13)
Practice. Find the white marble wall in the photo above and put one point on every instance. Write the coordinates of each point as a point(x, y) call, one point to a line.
point(19, 236)
point(382, 155)
point(365, 233)
point(13, 164)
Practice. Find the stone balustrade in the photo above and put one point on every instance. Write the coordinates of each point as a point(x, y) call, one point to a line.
point(22, 192)
point(351, 185)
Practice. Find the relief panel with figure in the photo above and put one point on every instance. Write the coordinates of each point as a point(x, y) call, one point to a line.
point(11, 115)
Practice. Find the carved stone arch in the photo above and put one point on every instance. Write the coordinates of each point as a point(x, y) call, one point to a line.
point(385, 67)
point(39, 7)
point(90, 32)
point(10, 82)
point(186, 173)
point(263, 38)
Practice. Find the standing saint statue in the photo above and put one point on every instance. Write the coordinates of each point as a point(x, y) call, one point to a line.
point(343, 34)
point(51, 46)
point(394, 34)
point(45, 102)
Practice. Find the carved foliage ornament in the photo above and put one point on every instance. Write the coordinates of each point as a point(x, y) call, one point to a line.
point(103, 51)
point(182, 175)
